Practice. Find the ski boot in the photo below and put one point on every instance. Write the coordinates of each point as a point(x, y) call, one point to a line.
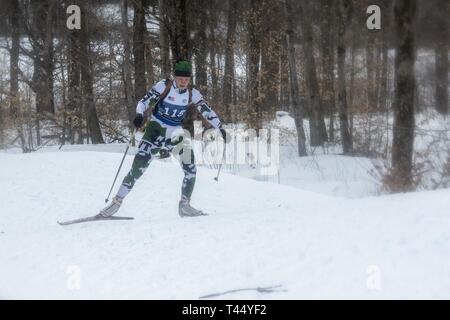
point(185, 209)
point(111, 208)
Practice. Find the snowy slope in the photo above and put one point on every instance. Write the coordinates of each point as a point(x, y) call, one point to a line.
point(305, 244)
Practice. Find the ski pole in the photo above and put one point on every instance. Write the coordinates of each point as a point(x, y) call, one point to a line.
point(123, 158)
point(217, 177)
point(220, 165)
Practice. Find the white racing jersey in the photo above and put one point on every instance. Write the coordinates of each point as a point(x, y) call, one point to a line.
point(171, 111)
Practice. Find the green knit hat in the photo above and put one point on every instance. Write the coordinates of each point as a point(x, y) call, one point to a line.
point(183, 69)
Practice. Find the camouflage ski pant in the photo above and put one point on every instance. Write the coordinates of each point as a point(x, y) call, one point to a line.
point(155, 138)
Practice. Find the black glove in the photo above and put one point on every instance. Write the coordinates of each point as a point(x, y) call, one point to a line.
point(138, 120)
point(164, 153)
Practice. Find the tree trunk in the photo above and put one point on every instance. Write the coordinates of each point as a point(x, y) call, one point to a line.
point(284, 75)
point(382, 101)
point(200, 49)
point(166, 69)
point(64, 65)
point(254, 115)
point(370, 72)
point(378, 67)
point(149, 59)
point(178, 32)
point(92, 123)
point(318, 132)
point(344, 8)
point(404, 123)
point(383, 93)
point(441, 61)
point(213, 68)
point(328, 61)
point(228, 78)
point(293, 77)
point(213, 54)
point(14, 60)
point(270, 59)
point(128, 85)
point(41, 36)
point(442, 78)
point(74, 102)
point(270, 75)
point(14, 102)
point(351, 93)
point(139, 32)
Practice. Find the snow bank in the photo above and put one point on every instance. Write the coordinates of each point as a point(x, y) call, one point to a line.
point(304, 244)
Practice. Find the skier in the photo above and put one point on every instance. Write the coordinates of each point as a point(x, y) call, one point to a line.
point(170, 100)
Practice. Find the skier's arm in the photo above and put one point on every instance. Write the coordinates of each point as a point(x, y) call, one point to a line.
point(151, 97)
point(205, 110)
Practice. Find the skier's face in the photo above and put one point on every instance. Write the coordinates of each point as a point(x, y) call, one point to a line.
point(182, 82)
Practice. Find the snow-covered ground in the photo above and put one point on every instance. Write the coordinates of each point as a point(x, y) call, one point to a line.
point(301, 243)
point(330, 174)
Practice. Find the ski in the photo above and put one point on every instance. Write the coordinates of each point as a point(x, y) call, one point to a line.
point(93, 218)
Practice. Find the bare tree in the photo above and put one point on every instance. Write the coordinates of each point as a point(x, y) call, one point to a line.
point(318, 133)
point(14, 102)
point(149, 59)
point(41, 38)
point(229, 59)
point(270, 57)
point(371, 67)
point(139, 35)
point(293, 78)
point(441, 58)
point(253, 15)
point(382, 101)
point(344, 11)
point(213, 51)
point(404, 123)
point(178, 30)
point(128, 84)
point(327, 45)
point(74, 112)
point(284, 74)
point(92, 123)
point(164, 25)
point(200, 51)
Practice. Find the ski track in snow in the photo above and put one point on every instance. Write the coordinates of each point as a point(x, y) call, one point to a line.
point(257, 235)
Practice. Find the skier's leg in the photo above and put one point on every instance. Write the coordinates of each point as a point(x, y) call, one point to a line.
point(151, 142)
point(178, 142)
point(150, 145)
point(190, 173)
point(140, 164)
point(187, 161)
